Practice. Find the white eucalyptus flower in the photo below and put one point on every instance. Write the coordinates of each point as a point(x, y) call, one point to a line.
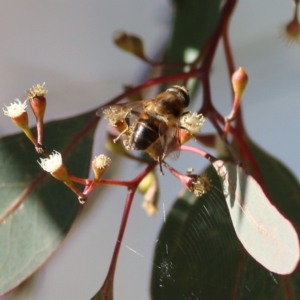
point(53, 163)
point(15, 109)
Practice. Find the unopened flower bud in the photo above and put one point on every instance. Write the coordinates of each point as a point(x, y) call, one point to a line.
point(149, 188)
point(292, 31)
point(129, 43)
point(292, 28)
point(99, 165)
point(239, 81)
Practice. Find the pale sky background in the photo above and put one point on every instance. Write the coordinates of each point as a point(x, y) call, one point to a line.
point(68, 45)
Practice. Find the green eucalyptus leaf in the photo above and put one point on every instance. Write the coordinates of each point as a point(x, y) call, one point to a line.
point(194, 22)
point(281, 184)
point(204, 257)
point(199, 256)
point(195, 241)
point(36, 210)
point(264, 232)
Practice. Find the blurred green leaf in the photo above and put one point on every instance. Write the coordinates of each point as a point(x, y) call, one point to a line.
point(31, 231)
point(195, 239)
point(194, 22)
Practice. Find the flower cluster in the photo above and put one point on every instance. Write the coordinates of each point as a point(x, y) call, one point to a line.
point(55, 166)
point(53, 163)
point(120, 117)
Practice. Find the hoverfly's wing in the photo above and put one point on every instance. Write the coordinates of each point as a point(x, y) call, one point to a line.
point(128, 112)
point(169, 140)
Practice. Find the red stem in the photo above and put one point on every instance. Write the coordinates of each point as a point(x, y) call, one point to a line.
point(106, 290)
point(228, 52)
point(224, 18)
point(231, 68)
point(154, 81)
point(39, 127)
point(127, 207)
point(200, 152)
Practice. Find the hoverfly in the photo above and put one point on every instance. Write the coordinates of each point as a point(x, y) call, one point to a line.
point(151, 125)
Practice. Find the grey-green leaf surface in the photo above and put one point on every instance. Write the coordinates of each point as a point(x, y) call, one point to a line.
point(36, 210)
point(282, 186)
point(199, 256)
point(264, 232)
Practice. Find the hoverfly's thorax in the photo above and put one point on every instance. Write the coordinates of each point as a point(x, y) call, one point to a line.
point(182, 93)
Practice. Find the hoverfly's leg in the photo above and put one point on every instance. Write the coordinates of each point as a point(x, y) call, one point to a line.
point(123, 132)
point(160, 161)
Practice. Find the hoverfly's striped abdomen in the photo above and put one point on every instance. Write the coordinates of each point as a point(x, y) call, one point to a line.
point(147, 130)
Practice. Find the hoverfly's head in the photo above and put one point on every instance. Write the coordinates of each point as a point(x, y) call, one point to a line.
point(182, 92)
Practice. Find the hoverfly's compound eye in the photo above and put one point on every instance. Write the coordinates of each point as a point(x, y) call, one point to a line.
point(185, 96)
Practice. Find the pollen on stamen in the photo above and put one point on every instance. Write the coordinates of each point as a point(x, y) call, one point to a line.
point(99, 165)
point(37, 91)
point(192, 122)
point(114, 115)
point(15, 109)
point(101, 161)
point(201, 185)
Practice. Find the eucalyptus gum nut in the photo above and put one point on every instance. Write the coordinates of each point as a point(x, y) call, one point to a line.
point(38, 106)
point(129, 43)
point(239, 81)
point(146, 183)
